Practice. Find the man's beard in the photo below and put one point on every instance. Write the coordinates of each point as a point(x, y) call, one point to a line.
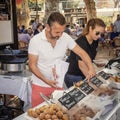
point(53, 37)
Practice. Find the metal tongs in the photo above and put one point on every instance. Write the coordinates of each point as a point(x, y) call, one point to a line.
point(85, 80)
point(47, 100)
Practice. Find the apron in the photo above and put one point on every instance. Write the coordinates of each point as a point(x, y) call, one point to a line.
point(36, 98)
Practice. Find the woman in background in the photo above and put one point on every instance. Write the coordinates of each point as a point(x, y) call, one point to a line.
point(89, 42)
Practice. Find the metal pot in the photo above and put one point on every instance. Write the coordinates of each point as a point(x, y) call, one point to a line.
point(13, 67)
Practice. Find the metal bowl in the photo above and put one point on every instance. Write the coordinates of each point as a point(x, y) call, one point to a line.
point(13, 67)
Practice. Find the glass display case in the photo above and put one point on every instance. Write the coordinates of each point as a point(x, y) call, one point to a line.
point(8, 24)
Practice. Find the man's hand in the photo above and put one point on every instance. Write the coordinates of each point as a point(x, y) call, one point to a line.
point(90, 74)
point(52, 83)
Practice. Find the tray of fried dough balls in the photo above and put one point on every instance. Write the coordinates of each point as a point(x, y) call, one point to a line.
point(47, 112)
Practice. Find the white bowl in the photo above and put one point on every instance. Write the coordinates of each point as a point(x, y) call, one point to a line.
point(100, 62)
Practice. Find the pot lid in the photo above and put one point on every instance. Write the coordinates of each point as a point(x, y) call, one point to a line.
point(16, 60)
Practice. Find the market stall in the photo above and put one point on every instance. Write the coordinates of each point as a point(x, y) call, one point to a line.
point(97, 99)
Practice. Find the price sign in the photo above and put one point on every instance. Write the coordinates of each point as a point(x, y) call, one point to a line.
point(97, 82)
point(67, 101)
point(76, 94)
point(104, 75)
point(85, 87)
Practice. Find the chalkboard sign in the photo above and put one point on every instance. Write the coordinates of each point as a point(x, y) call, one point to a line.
point(67, 101)
point(85, 87)
point(97, 82)
point(76, 94)
point(104, 75)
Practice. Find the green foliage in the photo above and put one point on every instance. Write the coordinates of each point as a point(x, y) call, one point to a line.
point(107, 19)
point(34, 5)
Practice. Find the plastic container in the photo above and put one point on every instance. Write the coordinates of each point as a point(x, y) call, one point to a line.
point(100, 62)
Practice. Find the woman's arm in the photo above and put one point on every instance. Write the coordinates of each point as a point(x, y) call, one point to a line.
point(86, 59)
point(83, 67)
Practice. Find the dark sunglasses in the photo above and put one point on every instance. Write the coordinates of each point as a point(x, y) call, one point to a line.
point(99, 33)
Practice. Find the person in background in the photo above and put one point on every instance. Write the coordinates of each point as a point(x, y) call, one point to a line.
point(67, 30)
point(47, 47)
point(24, 37)
point(117, 23)
point(79, 30)
point(89, 42)
point(39, 29)
point(113, 34)
point(22, 28)
point(110, 28)
point(30, 32)
point(35, 23)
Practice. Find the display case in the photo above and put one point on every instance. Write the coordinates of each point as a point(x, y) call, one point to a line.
point(8, 24)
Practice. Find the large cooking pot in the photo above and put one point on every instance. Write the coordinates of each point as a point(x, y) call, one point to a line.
point(13, 60)
point(13, 67)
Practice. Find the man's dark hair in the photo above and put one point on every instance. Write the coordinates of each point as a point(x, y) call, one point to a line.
point(56, 17)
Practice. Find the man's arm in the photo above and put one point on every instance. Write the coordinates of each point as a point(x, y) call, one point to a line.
point(86, 59)
point(34, 69)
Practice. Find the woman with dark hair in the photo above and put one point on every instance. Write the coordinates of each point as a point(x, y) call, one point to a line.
point(89, 42)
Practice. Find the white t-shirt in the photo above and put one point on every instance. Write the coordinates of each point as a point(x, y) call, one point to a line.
point(47, 55)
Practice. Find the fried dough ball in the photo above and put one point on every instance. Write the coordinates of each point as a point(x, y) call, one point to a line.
point(41, 109)
point(37, 110)
point(77, 84)
point(90, 113)
point(106, 91)
point(54, 117)
point(51, 111)
point(77, 116)
point(47, 116)
point(117, 79)
point(30, 111)
point(65, 117)
point(59, 114)
point(34, 114)
point(46, 111)
point(83, 110)
point(42, 116)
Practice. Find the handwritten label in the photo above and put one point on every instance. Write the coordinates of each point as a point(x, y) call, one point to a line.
point(85, 87)
point(67, 101)
point(77, 94)
point(97, 82)
point(104, 75)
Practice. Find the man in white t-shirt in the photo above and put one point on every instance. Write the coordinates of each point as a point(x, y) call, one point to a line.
point(44, 50)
